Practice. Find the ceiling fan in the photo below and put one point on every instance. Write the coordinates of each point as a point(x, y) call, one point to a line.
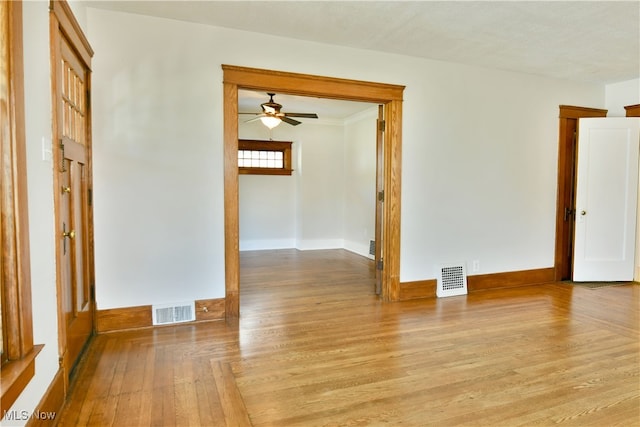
point(272, 115)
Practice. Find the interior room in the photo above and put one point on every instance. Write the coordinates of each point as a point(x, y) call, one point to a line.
point(133, 239)
point(334, 165)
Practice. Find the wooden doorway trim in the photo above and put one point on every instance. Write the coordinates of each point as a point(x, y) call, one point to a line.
point(632, 110)
point(18, 350)
point(322, 87)
point(569, 116)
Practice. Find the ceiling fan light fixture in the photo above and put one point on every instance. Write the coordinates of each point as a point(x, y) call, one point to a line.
point(270, 121)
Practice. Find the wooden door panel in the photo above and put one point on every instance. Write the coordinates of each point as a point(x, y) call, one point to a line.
point(79, 200)
point(65, 257)
point(72, 185)
point(72, 96)
point(74, 257)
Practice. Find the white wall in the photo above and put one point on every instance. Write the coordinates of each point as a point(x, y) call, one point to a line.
point(307, 209)
point(268, 207)
point(479, 155)
point(158, 163)
point(328, 201)
point(620, 95)
point(320, 189)
point(360, 181)
point(267, 212)
point(480, 169)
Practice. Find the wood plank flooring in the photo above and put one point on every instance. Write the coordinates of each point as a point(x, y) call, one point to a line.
point(315, 347)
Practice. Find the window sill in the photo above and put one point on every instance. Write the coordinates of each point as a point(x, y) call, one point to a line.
point(15, 375)
point(264, 171)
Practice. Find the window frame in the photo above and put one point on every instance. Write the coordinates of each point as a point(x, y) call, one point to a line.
point(18, 360)
point(262, 145)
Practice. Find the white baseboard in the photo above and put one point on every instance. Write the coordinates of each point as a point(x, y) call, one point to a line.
point(318, 244)
point(306, 245)
point(260, 245)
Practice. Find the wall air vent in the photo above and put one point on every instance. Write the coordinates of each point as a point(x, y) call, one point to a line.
point(452, 280)
point(372, 247)
point(166, 314)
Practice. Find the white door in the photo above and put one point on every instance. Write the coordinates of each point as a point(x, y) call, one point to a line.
point(606, 199)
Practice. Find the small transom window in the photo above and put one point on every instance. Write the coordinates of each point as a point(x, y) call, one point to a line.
point(264, 157)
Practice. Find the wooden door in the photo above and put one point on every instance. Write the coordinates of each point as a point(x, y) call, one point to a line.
point(568, 198)
point(72, 189)
point(606, 199)
point(565, 215)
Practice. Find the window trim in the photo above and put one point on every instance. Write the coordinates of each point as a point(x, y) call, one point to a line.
point(261, 145)
point(17, 325)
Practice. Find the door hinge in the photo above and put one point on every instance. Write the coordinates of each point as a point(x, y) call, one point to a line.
point(568, 212)
point(381, 196)
point(382, 125)
point(90, 196)
point(380, 265)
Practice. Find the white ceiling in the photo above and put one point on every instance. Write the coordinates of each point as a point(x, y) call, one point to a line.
point(588, 41)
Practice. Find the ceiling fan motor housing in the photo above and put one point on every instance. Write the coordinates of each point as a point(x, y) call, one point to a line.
point(272, 109)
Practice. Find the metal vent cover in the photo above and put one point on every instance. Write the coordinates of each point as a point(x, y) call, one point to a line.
point(372, 247)
point(166, 314)
point(452, 280)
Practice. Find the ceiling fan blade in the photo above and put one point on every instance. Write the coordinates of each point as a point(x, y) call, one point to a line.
point(272, 109)
point(290, 121)
point(304, 115)
point(256, 118)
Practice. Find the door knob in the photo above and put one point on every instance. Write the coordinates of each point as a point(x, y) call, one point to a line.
point(70, 234)
point(66, 189)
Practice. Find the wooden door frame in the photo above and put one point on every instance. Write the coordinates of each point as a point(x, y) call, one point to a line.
point(235, 78)
point(19, 352)
point(64, 24)
point(568, 117)
point(634, 111)
point(379, 232)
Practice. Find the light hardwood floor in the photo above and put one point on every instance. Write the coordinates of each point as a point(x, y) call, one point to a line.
point(315, 347)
